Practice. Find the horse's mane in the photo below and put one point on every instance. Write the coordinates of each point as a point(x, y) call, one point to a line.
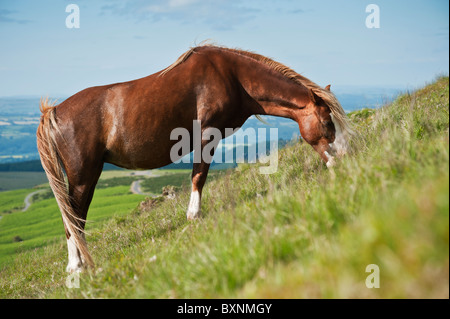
point(327, 96)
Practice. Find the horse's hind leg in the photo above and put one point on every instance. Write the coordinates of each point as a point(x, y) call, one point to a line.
point(81, 190)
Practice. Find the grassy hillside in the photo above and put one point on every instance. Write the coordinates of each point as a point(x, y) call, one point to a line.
point(304, 231)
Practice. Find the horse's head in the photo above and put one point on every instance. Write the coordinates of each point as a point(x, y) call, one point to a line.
point(322, 124)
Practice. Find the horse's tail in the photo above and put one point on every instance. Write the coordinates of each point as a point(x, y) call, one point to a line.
point(47, 136)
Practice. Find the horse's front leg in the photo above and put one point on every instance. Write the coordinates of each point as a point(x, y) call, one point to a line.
point(199, 174)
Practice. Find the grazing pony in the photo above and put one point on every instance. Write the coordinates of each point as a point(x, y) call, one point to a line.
point(129, 124)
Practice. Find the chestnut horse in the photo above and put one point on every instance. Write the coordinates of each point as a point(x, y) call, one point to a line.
point(129, 124)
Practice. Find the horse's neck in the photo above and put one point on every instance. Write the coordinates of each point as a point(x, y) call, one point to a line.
point(274, 94)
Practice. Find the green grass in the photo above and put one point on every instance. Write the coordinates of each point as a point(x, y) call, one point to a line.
point(302, 232)
point(11, 201)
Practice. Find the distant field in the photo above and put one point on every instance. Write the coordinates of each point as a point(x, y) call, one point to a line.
point(41, 223)
point(155, 184)
point(18, 180)
point(115, 173)
point(123, 175)
point(11, 201)
point(178, 178)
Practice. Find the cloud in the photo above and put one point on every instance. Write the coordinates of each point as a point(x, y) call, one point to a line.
point(5, 17)
point(295, 11)
point(217, 14)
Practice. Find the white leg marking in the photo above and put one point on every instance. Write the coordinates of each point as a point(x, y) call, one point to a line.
point(194, 206)
point(75, 264)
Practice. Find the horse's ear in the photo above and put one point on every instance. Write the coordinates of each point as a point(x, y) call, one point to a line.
point(315, 99)
point(328, 87)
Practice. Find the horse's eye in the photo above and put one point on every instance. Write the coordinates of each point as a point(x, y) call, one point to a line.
point(326, 123)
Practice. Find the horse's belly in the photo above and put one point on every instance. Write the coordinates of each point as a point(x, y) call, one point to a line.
point(145, 156)
point(146, 150)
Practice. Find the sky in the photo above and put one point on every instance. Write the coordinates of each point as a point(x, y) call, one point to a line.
point(327, 41)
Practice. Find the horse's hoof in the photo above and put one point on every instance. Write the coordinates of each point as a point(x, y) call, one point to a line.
point(74, 269)
point(192, 215)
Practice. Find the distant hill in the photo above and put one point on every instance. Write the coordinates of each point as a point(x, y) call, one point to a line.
point(35, 166)
point(28, 166)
